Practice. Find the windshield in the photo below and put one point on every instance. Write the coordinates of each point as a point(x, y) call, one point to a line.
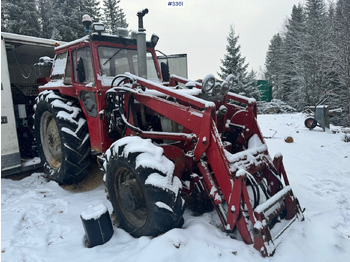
point(114, 61)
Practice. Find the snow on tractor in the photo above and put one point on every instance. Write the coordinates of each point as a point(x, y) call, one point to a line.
point(160, 141)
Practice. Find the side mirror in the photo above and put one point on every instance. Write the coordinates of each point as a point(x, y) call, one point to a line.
point(165, 71)
point(81, 70)
point(42, 69)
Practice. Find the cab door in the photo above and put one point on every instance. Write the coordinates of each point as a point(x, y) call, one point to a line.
point(84, 84)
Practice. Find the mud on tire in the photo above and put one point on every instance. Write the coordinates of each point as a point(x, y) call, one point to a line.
point(140, 185)
point(62, 138)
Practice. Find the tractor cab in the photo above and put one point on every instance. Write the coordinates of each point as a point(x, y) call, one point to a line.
point(96, 59)
point(85, 69)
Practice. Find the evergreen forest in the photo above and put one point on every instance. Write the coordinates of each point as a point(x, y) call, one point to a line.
point(58, 19)
point(309, 59)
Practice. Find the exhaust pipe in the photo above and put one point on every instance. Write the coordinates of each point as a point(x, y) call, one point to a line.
point(141, 45)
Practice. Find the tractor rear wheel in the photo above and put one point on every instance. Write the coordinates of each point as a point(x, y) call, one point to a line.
point(62, 138)
point(140, 185)
point(310, 122)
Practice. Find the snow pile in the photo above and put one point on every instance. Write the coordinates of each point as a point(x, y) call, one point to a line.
point(347, 137)
point(55, 83)
point(169, 183)
point(94, 212)
point(152, 156)
point(276, 106)
point(345, 131)
point(44, 61)
point(41, 221)
point(241, 160)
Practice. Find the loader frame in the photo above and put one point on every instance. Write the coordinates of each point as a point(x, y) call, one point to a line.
point(224, 175)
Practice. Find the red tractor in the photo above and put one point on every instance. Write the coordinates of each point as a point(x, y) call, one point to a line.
point(162, 139)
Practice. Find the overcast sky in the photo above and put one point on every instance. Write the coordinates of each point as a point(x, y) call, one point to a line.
point(200, 28)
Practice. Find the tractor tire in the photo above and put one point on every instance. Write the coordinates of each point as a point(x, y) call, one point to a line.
point(310, 123)
point(140, 185)
point(62, 138)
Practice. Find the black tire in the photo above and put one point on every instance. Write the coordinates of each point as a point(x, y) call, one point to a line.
point(310, 122)
point(62, 138)
point(142, 207)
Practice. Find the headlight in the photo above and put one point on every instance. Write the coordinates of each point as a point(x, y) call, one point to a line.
point(225, 87)
point(216, 89)
point(230, 79)
point(208, 83)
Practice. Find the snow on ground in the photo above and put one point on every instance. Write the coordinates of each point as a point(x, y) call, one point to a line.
point(40, 221)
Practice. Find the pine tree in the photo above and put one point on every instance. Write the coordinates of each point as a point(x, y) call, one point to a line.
point(20, 17)
point(250, 88)
point(317, 50)
point(233, 63)
point(66, 22)
point(93, 9)
point(5, 7)
point(274, 64)
point(293, 53)
point(46, 13)
point(341, 59)
point(114, 15)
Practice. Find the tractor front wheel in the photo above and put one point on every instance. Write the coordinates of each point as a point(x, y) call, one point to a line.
point(62, 138)
point(140, 185)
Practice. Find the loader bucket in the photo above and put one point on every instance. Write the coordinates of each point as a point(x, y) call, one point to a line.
point(282, 206)
point(268, 206)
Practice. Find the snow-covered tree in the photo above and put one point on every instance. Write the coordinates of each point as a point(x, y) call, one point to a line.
point(312, 57)
point(233, 63)
point(46, 14)
point(250, 87)
point(317, 50)
point(93, 9)
point(294, 88)
point(114, 15)
point(20, 17)
point(341, 59)
point(67, 21)
point(274, 64)
point(5, 15)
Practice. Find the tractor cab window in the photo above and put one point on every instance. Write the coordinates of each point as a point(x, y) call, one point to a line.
point(68, 73)
point(82, 66)
point(58, 67)
point(114, 61)
point(151, 70)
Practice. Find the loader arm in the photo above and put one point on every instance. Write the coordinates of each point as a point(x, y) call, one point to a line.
point(227, 177)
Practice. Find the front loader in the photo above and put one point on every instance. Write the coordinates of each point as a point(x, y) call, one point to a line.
point(160, 142)
point(220, 144)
